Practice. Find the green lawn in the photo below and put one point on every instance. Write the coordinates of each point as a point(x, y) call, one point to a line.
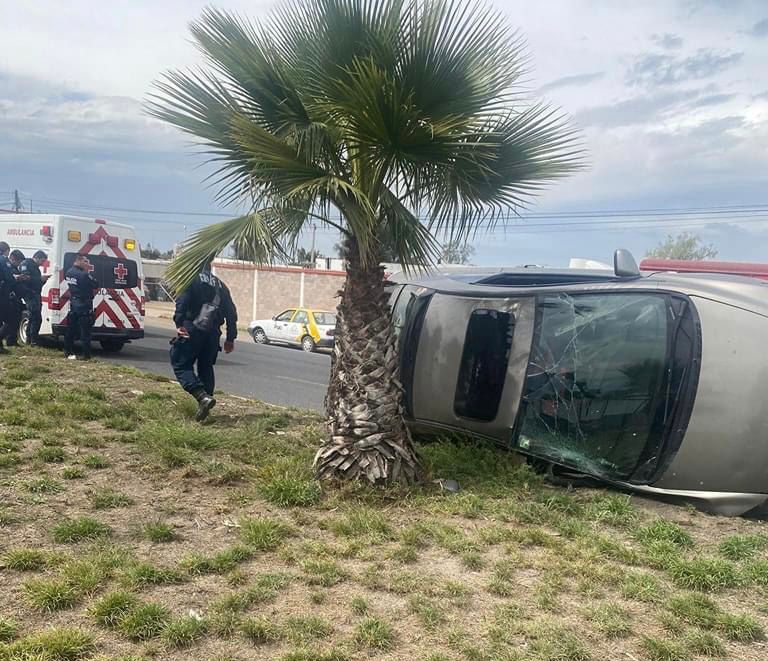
point(127, 531)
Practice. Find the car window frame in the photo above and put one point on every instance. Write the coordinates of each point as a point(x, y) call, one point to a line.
point(291, 310)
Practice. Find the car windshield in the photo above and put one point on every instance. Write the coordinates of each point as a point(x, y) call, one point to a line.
point(595, 381)
point(325, 318)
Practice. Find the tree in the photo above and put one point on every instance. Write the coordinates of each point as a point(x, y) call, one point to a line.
point(456, 252)
point(686, 246)
point(149, 252)
point(303, 257)
point(365, 116)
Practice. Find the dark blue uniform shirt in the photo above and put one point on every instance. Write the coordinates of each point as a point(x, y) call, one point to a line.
point(203, 290)
point(34, 285)
point(81, 287)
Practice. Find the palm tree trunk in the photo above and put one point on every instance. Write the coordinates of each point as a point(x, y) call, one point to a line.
point(368, 437)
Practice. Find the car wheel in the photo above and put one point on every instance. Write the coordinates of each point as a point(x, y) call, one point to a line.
point(23, 334)
point(259, 336)
point(307, 344)
point(112, 346)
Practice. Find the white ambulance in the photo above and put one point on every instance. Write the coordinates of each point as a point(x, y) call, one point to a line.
point(115, 257)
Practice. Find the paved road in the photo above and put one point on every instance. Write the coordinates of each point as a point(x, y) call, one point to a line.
point(275, 374)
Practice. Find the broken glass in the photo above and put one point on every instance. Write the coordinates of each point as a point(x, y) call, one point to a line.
point(595, 381)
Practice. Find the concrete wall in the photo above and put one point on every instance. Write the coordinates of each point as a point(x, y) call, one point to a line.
point(261, 292)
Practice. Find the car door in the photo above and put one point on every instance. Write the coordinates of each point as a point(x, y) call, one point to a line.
point(297, 327)
point(280, 329)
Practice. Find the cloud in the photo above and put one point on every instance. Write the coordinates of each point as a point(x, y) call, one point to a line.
point(712, 100)
point(761, 96)
point(572, 81)
point(663, 69)
point(637, 110)
point(759, 29)
point(667, 40)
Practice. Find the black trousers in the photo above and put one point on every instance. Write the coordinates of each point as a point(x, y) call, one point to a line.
point(199, 348)
point(35, 315)
point(79, 322)
point(10, 318)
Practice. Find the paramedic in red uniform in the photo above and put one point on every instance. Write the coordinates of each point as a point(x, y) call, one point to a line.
point(200, 311)
point(80, 318)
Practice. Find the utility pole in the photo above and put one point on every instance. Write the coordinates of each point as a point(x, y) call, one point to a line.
point(312, 252)
point(17, 201)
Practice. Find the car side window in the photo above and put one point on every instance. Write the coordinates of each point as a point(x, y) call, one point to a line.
point(301, 317)
point(285, 316)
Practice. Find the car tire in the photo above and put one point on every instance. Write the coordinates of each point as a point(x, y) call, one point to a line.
point(22, 336)
point(308, 344)
point(259, 336)
point(112, 346)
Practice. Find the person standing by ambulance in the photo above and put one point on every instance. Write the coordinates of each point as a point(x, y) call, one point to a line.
point(30, 286)
point(7, 291)
point(200, 311)
point(80, 318)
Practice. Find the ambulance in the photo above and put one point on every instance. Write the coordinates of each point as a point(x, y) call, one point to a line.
point(115, 257)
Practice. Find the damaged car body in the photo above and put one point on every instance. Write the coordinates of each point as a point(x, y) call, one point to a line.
point(651, 382)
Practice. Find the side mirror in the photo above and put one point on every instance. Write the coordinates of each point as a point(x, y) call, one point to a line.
point(274, 316)
point(624, 264)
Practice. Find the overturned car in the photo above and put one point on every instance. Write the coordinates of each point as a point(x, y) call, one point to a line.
point(654, 382)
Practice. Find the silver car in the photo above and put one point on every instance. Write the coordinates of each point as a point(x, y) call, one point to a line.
point(653, 382)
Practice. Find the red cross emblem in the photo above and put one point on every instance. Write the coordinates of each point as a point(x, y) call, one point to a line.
point(120, 271)
point(89, 267)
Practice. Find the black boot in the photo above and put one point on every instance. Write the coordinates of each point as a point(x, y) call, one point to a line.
point(204, 404)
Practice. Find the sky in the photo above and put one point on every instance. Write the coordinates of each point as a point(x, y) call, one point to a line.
point(671, 97)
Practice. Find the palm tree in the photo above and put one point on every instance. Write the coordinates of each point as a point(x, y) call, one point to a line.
point(391, 122)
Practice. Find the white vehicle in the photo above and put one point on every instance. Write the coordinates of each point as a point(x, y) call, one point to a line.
point(308, 329)
point(112, 250)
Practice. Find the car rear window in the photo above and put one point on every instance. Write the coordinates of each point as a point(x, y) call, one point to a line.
point(484, 364)
point(325, 319)
point(110, 272)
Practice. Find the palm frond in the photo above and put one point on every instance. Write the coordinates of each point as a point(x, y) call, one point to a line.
point(252, 232)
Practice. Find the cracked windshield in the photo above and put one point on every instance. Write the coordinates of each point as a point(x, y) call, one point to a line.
point(593, 380)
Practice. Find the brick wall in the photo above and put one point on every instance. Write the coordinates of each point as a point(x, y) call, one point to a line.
point(261, 292)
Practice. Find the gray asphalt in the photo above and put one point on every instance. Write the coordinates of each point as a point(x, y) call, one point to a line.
point(271, 373)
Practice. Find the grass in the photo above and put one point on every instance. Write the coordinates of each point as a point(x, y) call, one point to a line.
point(263, 534)
point(374, 634)
point(508, 569)
point(158, 532)
point(183, 632)
point(144, 622)
point(704, 574)
point(80, 529)
point(662, 649)
point(96, 461)
point(25, 559)
point(51, 455)
point(105, 499)
point(742, 547)
point(260, 630)
point(49, 595)
point(53, 644)
point(9, 629)
point(110, 610)
point(43, 485)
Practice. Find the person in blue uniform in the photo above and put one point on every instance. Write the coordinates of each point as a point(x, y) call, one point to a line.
point(200, 312)
point(80, 318)
point(13, 305)
point(7, 292)
point(30, 287)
